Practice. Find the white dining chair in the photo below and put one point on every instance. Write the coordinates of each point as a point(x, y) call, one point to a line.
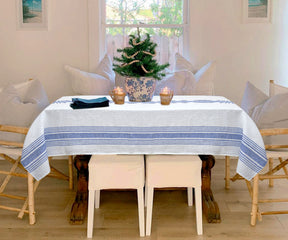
point(115, 172)
point(173, 171)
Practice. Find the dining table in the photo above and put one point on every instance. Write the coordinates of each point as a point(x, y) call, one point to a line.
point(207, 126)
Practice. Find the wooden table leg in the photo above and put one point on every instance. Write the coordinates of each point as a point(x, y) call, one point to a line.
point(80, 205)
point(209, 205)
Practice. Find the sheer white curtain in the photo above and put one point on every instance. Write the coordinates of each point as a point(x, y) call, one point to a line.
point(170, 34)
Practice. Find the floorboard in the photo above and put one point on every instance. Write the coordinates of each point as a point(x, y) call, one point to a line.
point(117, 217)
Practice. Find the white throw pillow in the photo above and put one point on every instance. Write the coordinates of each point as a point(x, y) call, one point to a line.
point(205, 80)
point(31, 91)
point(251, 98)
point(273, 114)
point(7, 94)
point(34, 93)
point(181, 82)
point(182, 63)
point(185, 82)
point(99, 83)
point(15, 111)
point(86, 83)
point(267, 112)
point(105, 69)
point(272, 111)
point(278, 89)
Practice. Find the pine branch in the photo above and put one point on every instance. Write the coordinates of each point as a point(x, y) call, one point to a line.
point(137, 60)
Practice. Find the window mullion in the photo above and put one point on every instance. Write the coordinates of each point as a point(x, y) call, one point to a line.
point(186, 21)
point(185, 12)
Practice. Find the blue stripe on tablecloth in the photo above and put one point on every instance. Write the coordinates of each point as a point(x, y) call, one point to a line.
point(38, 161)
point(37, 142)
point(149, 136)
point(35, 154)
point(107, 135)
point(142, 129)
point(245, 159)
point(250, 153)
point(147, 142)
point(254, 146)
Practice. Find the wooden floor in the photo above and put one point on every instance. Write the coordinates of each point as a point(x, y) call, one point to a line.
point(117, 217)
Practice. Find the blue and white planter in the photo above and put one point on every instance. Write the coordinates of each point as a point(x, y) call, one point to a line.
point(140, 89)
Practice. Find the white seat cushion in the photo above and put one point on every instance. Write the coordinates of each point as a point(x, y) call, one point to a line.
point(173, 171)
point(116, 172)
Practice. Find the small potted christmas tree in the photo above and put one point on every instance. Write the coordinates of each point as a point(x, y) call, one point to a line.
point(141, 70)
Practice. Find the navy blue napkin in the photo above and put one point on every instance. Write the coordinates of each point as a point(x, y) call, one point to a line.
point(79, 103)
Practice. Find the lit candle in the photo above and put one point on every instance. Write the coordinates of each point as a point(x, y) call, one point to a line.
point(166, 96)
point(118, 90)
point(118, 95)
point(165, 90)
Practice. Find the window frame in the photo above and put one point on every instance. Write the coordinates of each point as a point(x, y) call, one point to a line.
point(104, 25)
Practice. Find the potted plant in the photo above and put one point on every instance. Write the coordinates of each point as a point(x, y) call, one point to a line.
point(139, 67)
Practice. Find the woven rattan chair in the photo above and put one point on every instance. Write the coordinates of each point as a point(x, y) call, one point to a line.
point(15, 149)
point(274, 89)
point(31, 95)
point(11, 151)
point(279, 152)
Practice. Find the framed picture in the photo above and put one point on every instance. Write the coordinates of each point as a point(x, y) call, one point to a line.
point(257, 11)
point(32, 14)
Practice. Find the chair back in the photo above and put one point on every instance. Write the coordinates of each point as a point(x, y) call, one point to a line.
point(13, 129)
point(275, 132)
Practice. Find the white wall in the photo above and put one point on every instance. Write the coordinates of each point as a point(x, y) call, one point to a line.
point(42, 54)
point(244, 51)
point(256, 52)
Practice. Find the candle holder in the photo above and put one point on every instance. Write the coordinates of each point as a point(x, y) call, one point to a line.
point(166, 96)
point(117, 95)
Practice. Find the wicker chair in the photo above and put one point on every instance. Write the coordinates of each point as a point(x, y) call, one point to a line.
point(11, 148)
point(274, 89)
point(279, 152)
point(11, 151)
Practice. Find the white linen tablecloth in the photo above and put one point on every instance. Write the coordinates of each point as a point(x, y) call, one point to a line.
point(189, 125)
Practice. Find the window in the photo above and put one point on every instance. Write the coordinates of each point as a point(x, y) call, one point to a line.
point(165, 20)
